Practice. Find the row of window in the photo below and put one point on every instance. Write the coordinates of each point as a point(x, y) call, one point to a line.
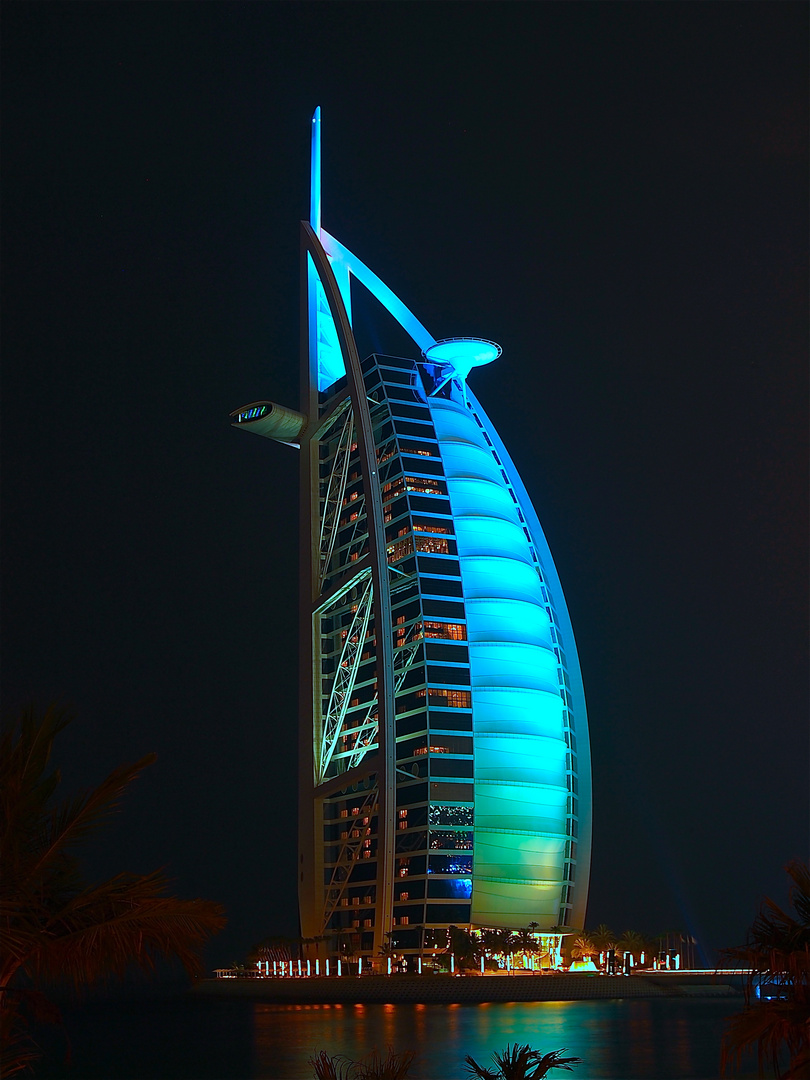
point(433, 545)
point(422, 485)
point(440, 695)
point(448, 914)
point(420, 525)
point(429, 628)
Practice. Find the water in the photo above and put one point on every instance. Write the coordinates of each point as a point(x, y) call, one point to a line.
point(193, 1039)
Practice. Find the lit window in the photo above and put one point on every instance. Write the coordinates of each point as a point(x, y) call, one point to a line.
point(460, 841)
point(450, 815)
point(401, 634)
point(403, 896)
point(432, 546)
point(455, 699)
point(424, 485)
point(366, 922)
point(399, 549)
point(344, 813)
point(403, 813)
point(420, 527)
point(448, 631)
point(392, 489)
point(402, 824)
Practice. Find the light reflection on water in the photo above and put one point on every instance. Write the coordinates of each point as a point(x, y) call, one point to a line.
point(652, 1039)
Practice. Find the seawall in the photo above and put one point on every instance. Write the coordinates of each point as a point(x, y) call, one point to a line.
point(448, 989)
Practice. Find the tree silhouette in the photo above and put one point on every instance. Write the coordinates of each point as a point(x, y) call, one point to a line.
point(582, 947)
point(464, 946)
point(521, 1063)
point(777, 954)
point(603, 938)
point(631, 941)
point(55, 926)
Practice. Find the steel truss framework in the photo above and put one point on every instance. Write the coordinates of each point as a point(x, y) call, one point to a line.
point(335, 492)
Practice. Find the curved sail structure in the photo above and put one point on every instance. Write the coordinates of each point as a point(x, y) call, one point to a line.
point(444, 756)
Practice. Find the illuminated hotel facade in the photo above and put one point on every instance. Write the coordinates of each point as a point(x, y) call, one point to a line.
point(444, 763)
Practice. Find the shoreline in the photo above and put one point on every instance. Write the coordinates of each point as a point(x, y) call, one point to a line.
point(452, 990)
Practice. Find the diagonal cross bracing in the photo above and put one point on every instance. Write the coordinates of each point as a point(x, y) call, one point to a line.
point(335, 491)
point(349, 851)
point(345, 677)
point(367, 735)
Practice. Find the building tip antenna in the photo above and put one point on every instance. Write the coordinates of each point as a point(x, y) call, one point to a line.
point(315, 174)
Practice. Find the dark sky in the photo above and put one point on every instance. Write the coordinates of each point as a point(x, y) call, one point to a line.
point(614, 192)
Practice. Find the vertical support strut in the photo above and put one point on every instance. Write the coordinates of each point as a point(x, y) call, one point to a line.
point(311, 247)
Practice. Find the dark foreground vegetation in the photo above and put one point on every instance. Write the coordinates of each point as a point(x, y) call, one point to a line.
point(776, 1018)
point(55, 926)
point(514, 1063)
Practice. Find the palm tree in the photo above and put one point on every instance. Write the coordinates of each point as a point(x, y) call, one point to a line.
point(375, 1067)
point(54, 924)
point(465, 947)
point(490, 941)
point(777, 955)
point(521, 1063)
point(507, 942)
point(582, 947)
point(603, 938)
point(631, 942)
point(524, 941)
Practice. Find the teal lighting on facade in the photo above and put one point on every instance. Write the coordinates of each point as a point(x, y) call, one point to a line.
point(444, 755)
point(315, 174)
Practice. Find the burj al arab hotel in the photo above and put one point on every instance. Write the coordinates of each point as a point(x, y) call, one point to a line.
point(444, 763)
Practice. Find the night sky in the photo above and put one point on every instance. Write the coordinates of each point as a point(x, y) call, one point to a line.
point(616, 193)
